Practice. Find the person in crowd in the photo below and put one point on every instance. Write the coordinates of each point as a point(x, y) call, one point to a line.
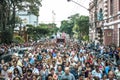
point(67, 75)
point(97, 73)
point(17, 78)
point(117, 72)
point(90, 77)
point(2, 63)
point(1, 77)
point(15, 66)
point(44, 72)
point(49, 77)
point(111, 76)
point(81, 77)
point(10, 75)
point(28, 75)
point(86, 69)
point(39, 65)
point(59, 72)
point(74, 71)
point(4, 71)
point(34, 69)
point(16, 72)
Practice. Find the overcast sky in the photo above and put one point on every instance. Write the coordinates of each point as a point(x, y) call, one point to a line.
point(62, 10)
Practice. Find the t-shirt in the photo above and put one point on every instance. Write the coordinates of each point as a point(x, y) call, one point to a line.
point(67, 77)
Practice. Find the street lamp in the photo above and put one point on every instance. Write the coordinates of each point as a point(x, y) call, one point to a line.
point(78, 4)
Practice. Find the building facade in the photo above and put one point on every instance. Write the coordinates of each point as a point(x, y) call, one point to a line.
point(28, 18)
point(110, 24)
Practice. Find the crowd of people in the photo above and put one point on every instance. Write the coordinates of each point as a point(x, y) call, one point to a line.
point(49, 60)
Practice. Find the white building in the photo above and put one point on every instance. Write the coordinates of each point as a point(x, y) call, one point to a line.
point(27, 18)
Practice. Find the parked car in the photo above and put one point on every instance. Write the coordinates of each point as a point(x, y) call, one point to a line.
point(22, 51)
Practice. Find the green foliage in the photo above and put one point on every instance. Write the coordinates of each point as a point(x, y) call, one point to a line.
point(86, 38)
point(76, 25)
point(8, 18)
point(83, 23)
point(41, 31)
point(6, 37)
point(66, 26)
point(18, 39)
point(29, 26)
point(18, 20)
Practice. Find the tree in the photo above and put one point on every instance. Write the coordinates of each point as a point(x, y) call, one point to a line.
point(8, 12)
point(18, 39)
point(66, 26)
point(76, 25)
point(83, 23)
point(42, 30)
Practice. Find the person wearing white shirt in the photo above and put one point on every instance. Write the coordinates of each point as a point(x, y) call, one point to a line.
point(97, 73)
point(35, 70)
point(117, 72)
point(15, 66)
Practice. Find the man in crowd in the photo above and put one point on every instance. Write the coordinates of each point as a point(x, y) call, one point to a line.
point(67, 75)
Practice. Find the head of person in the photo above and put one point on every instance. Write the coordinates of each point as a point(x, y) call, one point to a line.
point(59, 68)
point(49, 77)
point(52, 71)
point(81, 54)
point(29, 65)
point(87, 64)
point(104, 77)
point(17, 78)
point(89, 75)
point(111, 75)
point(81, 77)
point(24, 69)
point(34, 77)
point(29, 72)
point(97, 68)
point(67, 64)
point(33, 66)
point(16, 71)
point(67, 70)
point(2, 61)
point(5, 67)
point(14, 63)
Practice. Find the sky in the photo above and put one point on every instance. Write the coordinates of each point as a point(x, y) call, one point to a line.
point(62, 9)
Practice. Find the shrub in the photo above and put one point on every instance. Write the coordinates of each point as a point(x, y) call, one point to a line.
point(18, 39)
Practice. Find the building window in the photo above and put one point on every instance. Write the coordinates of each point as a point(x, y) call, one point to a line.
point(111, 7)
